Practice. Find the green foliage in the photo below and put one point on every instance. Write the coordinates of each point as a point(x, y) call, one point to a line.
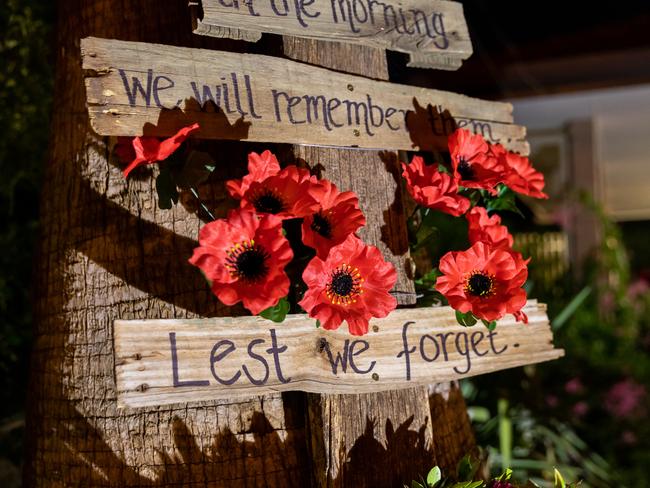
point(25, 100)
point(506, 200)
point(466, 478)
point(465, 319)
point(278, 312)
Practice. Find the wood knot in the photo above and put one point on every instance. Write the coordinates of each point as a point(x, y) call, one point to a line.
point(320, 344)
point(142, 388)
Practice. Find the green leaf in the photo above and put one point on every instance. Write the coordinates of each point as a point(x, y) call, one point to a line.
point(490, 325)
point(318, 324)
point(195, 170)
point(465, 469)
point(415, 484)
point(568, 311)
point(559, 480)
point(465, 319)
point(506, 475)
point(429, 279)
point(166, 189)
point(478, 414)
point(505, 433)
point(506, 200)
point(468, 484)
point(433, 477)
point(278, 312)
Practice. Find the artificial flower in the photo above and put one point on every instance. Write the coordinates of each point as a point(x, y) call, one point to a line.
point(473, 164)
point(149, 150)
point(519, 174)
point(244, 258)
point(260, 167)
point(484, 280)
point(337, 217)
point(352, 284)
point(267, 189)
point(433, 189)
point(483, 228)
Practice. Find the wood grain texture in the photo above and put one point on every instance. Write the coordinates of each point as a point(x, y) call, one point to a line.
point(433, 28)
point(373, 439)
point(106, 251)
point(410, 347)
point(278, 101)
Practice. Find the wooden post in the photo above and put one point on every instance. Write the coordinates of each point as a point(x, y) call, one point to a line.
point(107, 252)
point(376, 439)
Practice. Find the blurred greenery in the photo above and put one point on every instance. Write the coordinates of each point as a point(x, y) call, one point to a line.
point(25, 96)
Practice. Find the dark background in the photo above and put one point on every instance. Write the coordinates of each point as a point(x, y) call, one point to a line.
point(520, 49)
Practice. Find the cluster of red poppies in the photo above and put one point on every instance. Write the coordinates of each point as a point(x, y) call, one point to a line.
point(244, 255)
point(487, 278)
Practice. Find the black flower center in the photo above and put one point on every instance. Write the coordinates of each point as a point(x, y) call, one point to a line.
point(247, 261)
point(321, 225)
point(342, 284)
point(465, 169)
point(268, 202)
point(480, 284)
point(345, 285)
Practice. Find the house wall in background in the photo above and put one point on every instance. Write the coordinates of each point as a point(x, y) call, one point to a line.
point(620, 120)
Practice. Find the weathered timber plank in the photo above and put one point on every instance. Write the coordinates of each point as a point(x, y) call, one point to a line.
point(433, 28)
point(351, 433)
point(152, 89)
point(168, 361)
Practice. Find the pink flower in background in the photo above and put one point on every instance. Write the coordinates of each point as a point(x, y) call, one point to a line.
point(623, 400)
point(574, 386)
point(564, 216)
point(638, 288)
point(552, 401)
point(580, 409)
point(628, 437)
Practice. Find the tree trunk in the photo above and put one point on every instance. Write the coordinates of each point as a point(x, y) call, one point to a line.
point(108, 252)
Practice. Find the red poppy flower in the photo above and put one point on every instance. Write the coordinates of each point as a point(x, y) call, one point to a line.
point(352, 284)
point(244, 257)
point(337, 217)
point(433, 189)
point(260, 167)
point(520, 176)
point(473, 164)
point(286, 193)
point(149, 150)
point(484, 280)
point(487, 229)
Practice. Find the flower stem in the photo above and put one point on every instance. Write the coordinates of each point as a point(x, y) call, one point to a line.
point(201, 204)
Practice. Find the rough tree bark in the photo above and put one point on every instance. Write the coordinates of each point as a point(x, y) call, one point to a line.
point(108, 252)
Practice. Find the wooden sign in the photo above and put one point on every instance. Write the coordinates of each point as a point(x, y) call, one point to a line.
point(137, 88)
point(433, 32)
point(169, 361)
